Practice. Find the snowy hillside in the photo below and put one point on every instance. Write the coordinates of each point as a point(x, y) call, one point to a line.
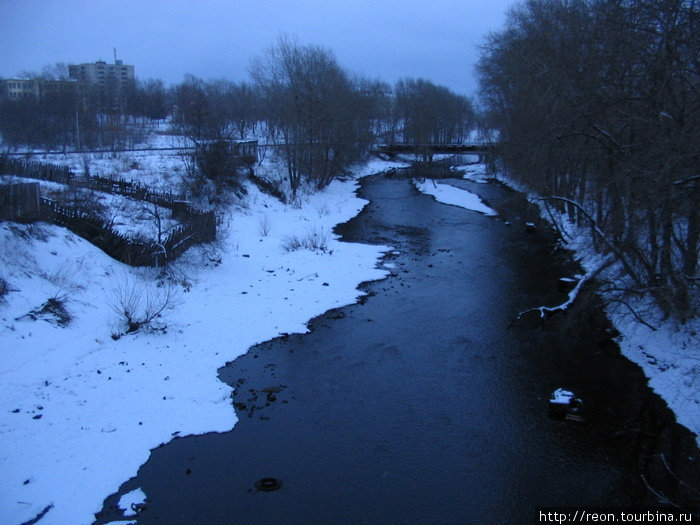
point(81, 410)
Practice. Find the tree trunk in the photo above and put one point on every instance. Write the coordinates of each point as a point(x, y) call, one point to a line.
point(690, 262)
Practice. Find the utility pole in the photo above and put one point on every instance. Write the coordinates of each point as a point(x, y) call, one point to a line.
point(77, 129)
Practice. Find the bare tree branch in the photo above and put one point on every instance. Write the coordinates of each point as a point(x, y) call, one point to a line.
point(634, 313)
point(547, 311)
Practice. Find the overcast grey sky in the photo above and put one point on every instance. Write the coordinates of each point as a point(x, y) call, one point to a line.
point(166, 39)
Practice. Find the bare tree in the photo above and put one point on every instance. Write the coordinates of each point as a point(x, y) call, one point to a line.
point(310, 106)
point(56, 71)
point(244, 107)
point(150, 100)
point(192, 111)
point(431, 114)
point(598, 103)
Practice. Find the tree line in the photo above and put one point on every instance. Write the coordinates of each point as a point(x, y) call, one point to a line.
point(596, 105)
point(73, 117)
point(322, 117)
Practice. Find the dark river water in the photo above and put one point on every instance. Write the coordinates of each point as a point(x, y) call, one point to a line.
point(424, 403)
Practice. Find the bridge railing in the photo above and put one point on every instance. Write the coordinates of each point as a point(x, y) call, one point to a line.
point(438, 148)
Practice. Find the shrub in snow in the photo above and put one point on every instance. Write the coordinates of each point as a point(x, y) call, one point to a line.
point(4, 287)
point(323, 210)
point(314, 240)
point(265, 226)
point(53, 311)
point(138, 304)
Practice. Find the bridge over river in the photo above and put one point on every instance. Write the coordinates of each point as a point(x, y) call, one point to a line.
point(428, 150)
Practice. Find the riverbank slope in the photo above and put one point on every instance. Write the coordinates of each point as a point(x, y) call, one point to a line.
point(82, 407)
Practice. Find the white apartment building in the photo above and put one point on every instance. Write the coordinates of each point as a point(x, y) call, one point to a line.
point(103, 74)
point(111, 80)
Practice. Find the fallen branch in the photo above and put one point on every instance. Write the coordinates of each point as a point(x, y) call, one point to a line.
point(560, 230)
point(547, 311)
point(687, 180)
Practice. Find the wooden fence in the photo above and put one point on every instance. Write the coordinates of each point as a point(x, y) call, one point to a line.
point(132, 252)
point(63, 175)
point(35, 170)
point(22, 202)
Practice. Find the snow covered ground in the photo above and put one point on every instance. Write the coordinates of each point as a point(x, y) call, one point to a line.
point(81, 410)
point(155, 169)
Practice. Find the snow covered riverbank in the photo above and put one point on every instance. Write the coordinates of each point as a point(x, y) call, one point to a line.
point(81, 410)
point(667, 350)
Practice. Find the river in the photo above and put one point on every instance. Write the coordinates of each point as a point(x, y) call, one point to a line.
point(424, 403)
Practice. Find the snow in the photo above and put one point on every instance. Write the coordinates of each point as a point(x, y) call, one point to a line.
point(562, 397)
point(129, 500)
point(157, 170)
point(81, 410)
point(474, 172)
point(666, 349)
point(669, 357)
point(448, 194)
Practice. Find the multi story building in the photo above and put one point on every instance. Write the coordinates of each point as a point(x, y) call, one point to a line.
point(108, 84)
point(55, 87)
point(102, 74)
point(111, 81)
point(18, 88)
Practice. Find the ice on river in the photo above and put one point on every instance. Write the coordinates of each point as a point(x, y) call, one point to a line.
point(451, 195)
